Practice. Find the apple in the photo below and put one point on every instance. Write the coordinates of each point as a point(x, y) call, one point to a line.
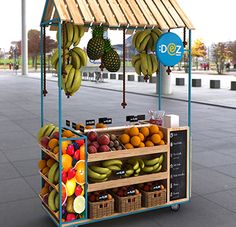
point(92, 149)
point(44, 141)
point(92, 136)
point(77, 155)
point(70, 150)
point(103, 140)
point(79, 190)
point(95, 144)
point(71, 174)
point(55, 135)
point(64, 176)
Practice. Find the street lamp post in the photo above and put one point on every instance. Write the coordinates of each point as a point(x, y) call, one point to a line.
point(24, 42)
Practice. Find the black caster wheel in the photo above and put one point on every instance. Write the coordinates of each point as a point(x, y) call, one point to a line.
point(175, 207)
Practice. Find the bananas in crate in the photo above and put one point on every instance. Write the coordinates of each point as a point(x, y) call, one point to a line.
point(145, 63)
point(146, 40)
point(73, 34)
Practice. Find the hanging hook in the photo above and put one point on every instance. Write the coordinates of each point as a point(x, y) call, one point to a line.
point(44, 63)
point(124, 104)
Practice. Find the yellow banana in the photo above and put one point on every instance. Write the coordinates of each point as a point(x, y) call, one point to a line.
point(144, 64)
point(69, 32)
point(150, 44)
point(82, 55)
point(141, 37)
point(157, 31)
point(149, 63)
point(134, 59)
point(144, 43)
point(76, 83)
point(70, 79)
point(76, 34)
point(137, 66)
point(75, 60)
point(81, 31)
point(135, 37)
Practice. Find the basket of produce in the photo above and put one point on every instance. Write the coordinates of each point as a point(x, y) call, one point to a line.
point(101, 204)
point(127, 199)
point(153, 194)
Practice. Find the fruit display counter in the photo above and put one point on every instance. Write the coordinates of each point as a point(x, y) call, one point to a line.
point(91, 174)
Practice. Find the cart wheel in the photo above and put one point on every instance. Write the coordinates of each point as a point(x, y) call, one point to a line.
point(175, 207)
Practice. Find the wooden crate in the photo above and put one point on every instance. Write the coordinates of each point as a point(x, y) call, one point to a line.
point(101, 209)
point(152, 199)
point(128, 203)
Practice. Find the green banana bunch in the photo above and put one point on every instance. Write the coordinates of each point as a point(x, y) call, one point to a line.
point(46, 130)
point(53, 200)
point(153, 165)
point(78, 57)
point(55, 57)
point(71, 82)
point(145, 64)
point(53, 174)
point(133, 167)
point(146, 40)
point(74, 33)
point(98, 174)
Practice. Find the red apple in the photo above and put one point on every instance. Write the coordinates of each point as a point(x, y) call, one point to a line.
point(77, 155)
point(78, 190)
point(70, 217)
point(92, 136)
point(70, 150)
point(55, 135)
point(71, 174)
point(103, 140)
point(95, 144)
point(104, 148)
point(64, 176)
point(92, 149)
point(44, 141)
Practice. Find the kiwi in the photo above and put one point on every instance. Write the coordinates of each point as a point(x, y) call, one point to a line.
point(116, 143)
point(113, 137)
point(111, 144)
point(119, 148)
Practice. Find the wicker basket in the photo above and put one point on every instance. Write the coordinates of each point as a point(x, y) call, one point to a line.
point(128, 203)
point(101, 209)
point(152, 199)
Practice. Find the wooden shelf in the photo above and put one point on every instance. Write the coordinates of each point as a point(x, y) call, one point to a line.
point(127, 153)
point(46, 179)
point(127, 181)
point(51, 154)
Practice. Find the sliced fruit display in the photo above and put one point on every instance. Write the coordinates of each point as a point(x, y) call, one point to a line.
point(80, 172)
point(64, 194)
point(79, 204)
point(70, 187)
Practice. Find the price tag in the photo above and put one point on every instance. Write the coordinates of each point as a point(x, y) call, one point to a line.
point(156, 187)
point(105, 120)
point(131, 192)
point(103, 197)
point(137, 118)
point(74, 125)
point(81, 128)
point(90, 122)
point(68, 123)
point(120, 173)
point(141, 117)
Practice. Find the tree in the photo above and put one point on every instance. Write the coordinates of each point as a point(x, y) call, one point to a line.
point(198, 50)
point(221, 54)
point(232, 48)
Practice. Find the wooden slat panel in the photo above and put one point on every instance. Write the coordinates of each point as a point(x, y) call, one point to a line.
point(128, 13)
point(147, 13)
point(99, 17)
point(49, 12)
point(117, 12)
point(173, 13)
point(161, 21)
point(62, 11)
point(55, 15)
point(137, 12)
point(75, 13)
point(87, 16)
point(169, 20)
point(181, 13)
point(108, 13)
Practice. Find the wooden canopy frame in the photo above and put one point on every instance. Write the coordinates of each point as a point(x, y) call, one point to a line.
point(118, 14)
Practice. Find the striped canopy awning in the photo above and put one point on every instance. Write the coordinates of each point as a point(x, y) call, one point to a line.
point(130, 14)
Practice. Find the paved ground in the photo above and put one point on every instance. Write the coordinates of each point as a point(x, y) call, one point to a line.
point(214, 156)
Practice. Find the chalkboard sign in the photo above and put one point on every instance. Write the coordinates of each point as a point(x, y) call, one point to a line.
point(178, 164)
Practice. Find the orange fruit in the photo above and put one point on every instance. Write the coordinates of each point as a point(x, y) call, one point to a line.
point(55, 150)
point(78, 126)
point(67, 134)
point(100, 125)
point(89, 127)
point(162, 142)
point(153, 129)
point(129, 146)
point(133, 131)
point(80, 172)
point(50, 162)
point(66, 162)
point(135, 141)
point(156, 138)
point(42, 164)
point(142, 144)
point(141, 136)
point(145, 131)
point(53, 143)
point(82, 152)
point(161, 134)
point(45, 170)
point(127, 131)
point(124, 138)
point(64, 145)
point(149, 144)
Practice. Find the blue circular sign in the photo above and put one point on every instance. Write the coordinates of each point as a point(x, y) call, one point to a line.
point(169, 49)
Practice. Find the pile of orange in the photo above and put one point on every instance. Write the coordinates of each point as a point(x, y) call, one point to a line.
point(142, 137)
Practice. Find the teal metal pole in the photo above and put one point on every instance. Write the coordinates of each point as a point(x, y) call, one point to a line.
point(159, 87)
point(60, 118)
point(42, 74)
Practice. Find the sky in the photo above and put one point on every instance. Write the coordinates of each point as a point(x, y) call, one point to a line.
point(213, 20)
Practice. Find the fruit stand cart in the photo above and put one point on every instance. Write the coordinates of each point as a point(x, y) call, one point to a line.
point(93, 174)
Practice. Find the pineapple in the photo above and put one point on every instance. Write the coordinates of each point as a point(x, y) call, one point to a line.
point(95, 48)
point(110, 59)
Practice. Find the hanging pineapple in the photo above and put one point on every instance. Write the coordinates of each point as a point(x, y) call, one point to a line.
point(110, 58)
point(95, 47)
